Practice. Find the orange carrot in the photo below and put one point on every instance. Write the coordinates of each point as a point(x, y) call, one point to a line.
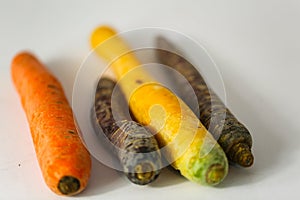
point(64, 161)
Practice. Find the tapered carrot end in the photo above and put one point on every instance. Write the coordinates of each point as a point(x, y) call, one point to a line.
point(20, 64)
point(68, 185)
point(22, 56)
point(242, 155)
point(246, 159)
point(101, 34)
point(144, 173)
point(215, 174)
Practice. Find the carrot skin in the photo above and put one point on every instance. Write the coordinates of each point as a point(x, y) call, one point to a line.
point(135, 146)
point(190, 148)
point(64, 161)
point(233, 136)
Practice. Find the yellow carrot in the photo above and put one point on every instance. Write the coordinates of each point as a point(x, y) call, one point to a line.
point(189, 146)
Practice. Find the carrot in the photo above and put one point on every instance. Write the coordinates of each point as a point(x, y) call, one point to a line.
point(189, 146)
point(233, 136)
point(136, 147)
point(64, 161)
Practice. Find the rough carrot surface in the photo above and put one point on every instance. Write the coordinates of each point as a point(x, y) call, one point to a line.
point(136, 147)
point(233, 137)
point(64, 161)
point(189, 146)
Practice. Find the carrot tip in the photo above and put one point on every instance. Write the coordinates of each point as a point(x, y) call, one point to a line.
point(246, 160)
point(101, 34)
point(144, 173)
point(215, 174)
point(241, 154)
point(68, 185)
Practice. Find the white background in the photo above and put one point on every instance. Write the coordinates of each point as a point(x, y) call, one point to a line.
point(255, 43)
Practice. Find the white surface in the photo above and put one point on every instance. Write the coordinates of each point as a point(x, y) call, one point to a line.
point(255, 44)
